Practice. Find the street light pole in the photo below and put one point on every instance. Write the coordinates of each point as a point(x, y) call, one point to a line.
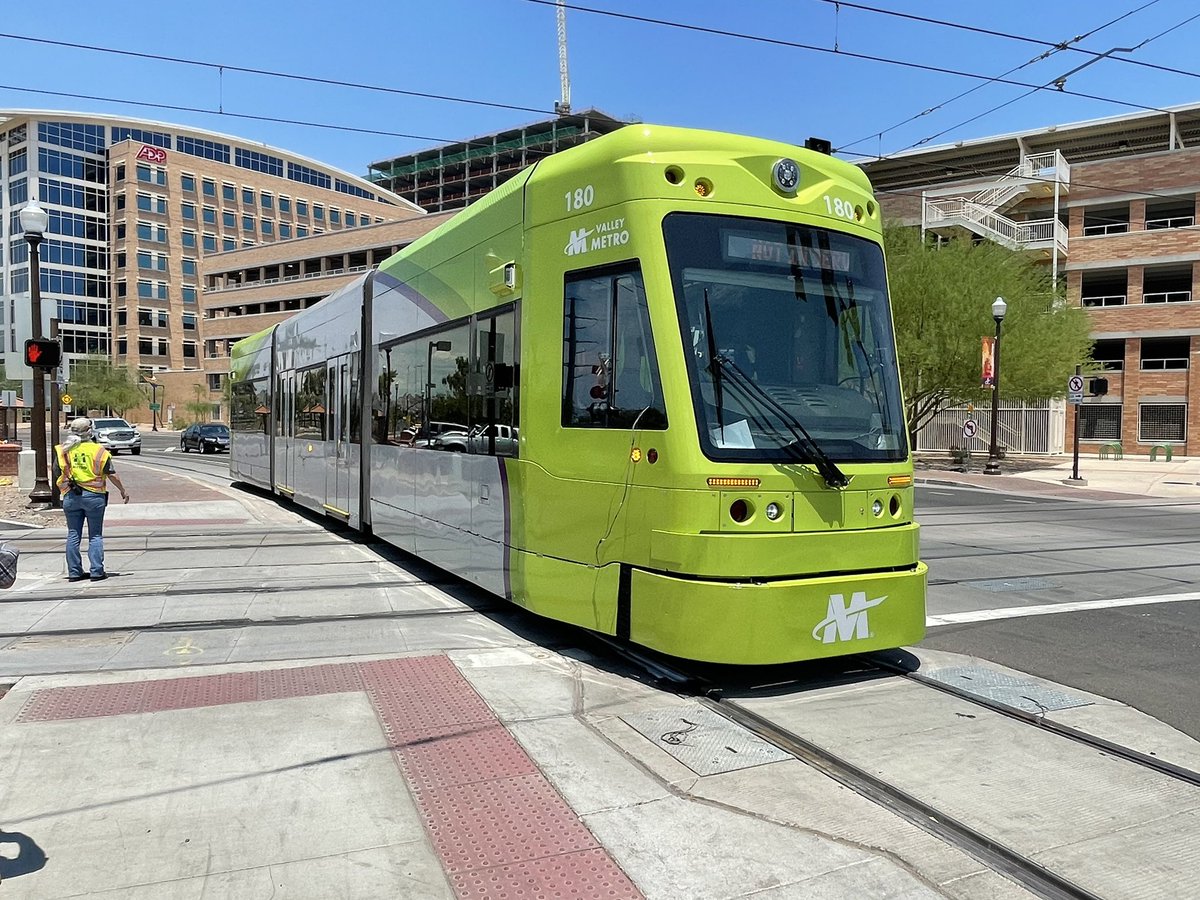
point(999, 308)
point(152, 380)
point(34, 222)
point(442, 346)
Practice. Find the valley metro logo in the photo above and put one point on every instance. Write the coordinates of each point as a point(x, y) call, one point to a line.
point(578, 242)
point(844, 621)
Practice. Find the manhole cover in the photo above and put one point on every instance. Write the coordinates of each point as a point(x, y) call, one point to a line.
point(1018, 693)
point(705, 742)
point(1000, 585)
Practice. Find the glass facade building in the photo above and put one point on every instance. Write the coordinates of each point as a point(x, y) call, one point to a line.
point(134, 207)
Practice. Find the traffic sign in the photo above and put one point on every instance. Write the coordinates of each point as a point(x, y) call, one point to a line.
point(1075, 390)
point(66, 399)
point(155, 407)
point(970, 428)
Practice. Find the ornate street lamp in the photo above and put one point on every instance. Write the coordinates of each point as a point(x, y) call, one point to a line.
point(34, 222)
point(999, 308)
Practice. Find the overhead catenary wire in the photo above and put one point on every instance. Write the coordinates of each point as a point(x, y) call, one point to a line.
point(869, 57)
point(1019, 37)
point(1054, 48)
point(1054, 83)
point(225, 113)
point(431, 138)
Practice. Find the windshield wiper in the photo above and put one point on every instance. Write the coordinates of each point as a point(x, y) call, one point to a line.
point(714, 366)
point(834, 477)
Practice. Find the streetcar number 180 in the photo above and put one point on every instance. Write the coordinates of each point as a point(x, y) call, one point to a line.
point(580, 198)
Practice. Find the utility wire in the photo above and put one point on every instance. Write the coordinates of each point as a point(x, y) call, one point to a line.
point(310, 79)
point(1058, 82)
point(1054, 48)
point(1017, 37)
point(795, 45)
point(1054, 83)
point(214, 112)
point(435, 139)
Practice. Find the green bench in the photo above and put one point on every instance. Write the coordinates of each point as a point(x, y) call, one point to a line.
point(1165, 448)
point(1113, 450)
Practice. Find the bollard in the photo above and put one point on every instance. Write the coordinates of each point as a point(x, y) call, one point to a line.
point(27, 470)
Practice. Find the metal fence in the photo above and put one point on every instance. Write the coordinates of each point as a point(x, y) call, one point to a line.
point(1038, 427)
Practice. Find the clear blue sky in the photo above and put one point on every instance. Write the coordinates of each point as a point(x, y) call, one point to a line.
point(505, 51)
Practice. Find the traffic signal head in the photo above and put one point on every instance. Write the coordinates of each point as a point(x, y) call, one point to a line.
point(1098, 387)
point(43, 353)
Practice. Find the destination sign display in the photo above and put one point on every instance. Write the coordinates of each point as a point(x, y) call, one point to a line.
point(750, 248)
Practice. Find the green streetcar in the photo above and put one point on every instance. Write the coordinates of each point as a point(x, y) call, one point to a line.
point(648, 386)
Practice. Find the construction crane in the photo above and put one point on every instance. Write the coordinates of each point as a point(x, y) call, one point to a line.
point(563, 106)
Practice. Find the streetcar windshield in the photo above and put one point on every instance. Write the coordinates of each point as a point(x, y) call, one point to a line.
point(788, 340)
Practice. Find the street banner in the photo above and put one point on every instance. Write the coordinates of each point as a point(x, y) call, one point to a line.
point(988, 376)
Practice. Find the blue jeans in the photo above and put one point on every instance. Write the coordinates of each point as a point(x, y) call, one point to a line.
point(90, 506)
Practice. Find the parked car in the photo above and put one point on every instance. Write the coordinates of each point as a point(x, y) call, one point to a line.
point(429, 435)
point(115, 435)
point(209, 438)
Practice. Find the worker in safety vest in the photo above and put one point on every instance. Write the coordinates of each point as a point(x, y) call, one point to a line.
point(84, 469)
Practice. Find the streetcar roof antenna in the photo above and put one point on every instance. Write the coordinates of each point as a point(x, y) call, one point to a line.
point(563, 106)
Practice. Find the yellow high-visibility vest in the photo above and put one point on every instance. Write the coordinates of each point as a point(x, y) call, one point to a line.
point(84, 464)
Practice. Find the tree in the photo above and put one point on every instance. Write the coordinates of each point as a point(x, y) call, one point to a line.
point(97, 384)
point(941, 302)
point(200, 409)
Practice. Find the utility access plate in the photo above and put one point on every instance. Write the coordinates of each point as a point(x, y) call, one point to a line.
point(705, 742)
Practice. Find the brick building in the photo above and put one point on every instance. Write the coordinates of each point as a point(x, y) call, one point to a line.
point(1111, 203)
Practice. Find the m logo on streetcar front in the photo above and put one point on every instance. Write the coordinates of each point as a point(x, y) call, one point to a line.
point(844, 622)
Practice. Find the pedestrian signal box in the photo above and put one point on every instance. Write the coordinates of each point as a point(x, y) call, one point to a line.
point(1098, 387)
point(41, 353)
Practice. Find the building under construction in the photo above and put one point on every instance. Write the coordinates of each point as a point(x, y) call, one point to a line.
point(455, 175)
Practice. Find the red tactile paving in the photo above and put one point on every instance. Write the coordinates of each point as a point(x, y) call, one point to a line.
point(499, 827)
point(583, 875)
point(479, 753)
point(308, 681)
point(496, 823)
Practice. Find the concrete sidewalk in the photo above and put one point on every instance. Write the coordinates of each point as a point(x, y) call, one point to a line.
point(1106, 479)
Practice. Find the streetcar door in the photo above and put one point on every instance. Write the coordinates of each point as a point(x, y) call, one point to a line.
point(341, 436)
point(285, 463)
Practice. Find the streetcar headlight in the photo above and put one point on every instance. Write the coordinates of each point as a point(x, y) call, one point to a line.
point(786, 174)
point(774, 511)
point(877, 507)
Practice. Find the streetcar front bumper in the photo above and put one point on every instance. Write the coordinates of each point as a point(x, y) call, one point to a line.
point(765, 622)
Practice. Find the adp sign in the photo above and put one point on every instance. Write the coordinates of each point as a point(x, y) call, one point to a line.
point(152, 154)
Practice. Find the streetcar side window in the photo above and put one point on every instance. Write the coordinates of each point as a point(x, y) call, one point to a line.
point(425, 379)
point(493, 395)
point(610, 369)
point(312, 404)
point(249, 411)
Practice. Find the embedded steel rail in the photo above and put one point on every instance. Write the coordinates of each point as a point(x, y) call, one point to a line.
point(1161, 766)
point(1007, 862)
point(1018, 868)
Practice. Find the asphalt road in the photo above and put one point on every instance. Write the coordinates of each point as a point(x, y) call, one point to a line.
point(990, 553)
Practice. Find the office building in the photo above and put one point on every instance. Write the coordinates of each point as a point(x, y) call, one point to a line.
point(134, 207)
